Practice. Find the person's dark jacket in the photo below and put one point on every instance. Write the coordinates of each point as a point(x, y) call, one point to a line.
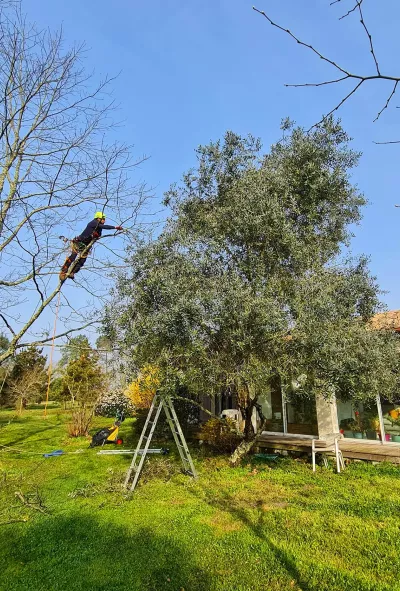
point(93, 231)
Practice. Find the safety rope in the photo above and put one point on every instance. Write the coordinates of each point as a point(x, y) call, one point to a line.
point(51, 354)
point(11, 449)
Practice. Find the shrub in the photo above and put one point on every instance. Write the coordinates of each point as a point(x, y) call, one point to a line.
point(141, 392)
point(114, 402)
point(80, 423)
point(220, 434)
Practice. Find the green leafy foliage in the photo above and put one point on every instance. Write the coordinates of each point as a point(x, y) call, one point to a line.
point(59, 390)
point(4, 342)
point(75, 347)
point(245, 282)
point(84, 378)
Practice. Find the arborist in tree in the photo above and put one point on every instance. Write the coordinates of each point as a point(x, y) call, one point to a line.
point(82, 244)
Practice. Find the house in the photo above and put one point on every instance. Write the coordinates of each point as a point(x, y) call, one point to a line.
point(323, 419)
point(387, 321)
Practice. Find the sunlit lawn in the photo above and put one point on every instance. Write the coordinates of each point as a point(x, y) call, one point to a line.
point(270, 527)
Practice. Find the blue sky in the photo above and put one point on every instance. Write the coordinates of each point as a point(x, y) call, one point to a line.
point(188, 71)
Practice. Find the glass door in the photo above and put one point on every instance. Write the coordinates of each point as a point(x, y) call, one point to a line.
point(302, 416)
point(272, 407)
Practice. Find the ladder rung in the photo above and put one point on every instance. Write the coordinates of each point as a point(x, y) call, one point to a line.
point(154, 412)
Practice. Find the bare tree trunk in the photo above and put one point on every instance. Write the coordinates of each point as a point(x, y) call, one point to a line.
point(245, 446)
point(250, 435)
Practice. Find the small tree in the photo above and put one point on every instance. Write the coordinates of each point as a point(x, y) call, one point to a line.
point(84, 379)
point(86, 382)
point(59, 391)
point(27, 388)
point(5, 370)
point(27, 379)
point(74, 349)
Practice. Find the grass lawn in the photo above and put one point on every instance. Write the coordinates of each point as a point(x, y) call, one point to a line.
point(257, 527)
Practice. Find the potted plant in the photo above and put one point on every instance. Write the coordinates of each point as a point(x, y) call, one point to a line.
point(356, 426)
point(372, 426)
point(394, 417)
point(346, 427)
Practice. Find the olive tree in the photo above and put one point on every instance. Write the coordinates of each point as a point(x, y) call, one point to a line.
point(245, 283)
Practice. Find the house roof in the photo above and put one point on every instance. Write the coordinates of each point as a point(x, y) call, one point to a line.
point(386, 320)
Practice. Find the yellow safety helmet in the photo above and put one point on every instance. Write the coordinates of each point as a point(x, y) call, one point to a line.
point(99, 215)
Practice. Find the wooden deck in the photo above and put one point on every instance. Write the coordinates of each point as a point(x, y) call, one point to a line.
point(370, 450)
point(357, 449)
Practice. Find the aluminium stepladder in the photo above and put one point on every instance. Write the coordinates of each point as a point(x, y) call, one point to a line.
point(159, 403)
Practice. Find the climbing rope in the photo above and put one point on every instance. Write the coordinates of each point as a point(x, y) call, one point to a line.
point(11, 449)
point(51, 353)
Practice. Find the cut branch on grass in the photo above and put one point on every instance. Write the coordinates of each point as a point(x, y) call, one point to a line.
point(36, 503)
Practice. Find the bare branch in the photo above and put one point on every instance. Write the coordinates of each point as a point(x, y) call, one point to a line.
point(341, 102)
point(346, 73)
point(383, 143)
point(317, 83)
point(322, 57)
point(56, 169)
point(349, 11)
point(388, 101)
point(4, 319)
point(58, 336)
point(362, 21)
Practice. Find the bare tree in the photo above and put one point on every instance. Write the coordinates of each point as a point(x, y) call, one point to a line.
point(343, 74)
point(28, 387)
point(56, 169)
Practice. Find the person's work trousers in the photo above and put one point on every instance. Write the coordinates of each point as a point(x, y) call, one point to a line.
point(77, 248)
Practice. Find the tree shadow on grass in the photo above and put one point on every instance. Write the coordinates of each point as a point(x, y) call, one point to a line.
point(78, 553)
point(28, 435)
point(226, 502)
point(323, 577)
